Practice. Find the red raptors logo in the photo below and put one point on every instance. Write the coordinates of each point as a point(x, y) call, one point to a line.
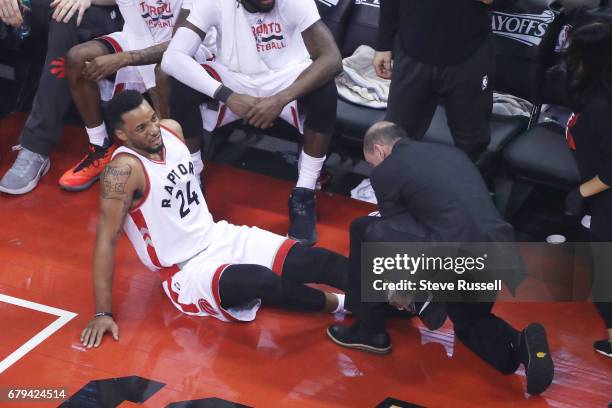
point(58, 67)
point(206, 307)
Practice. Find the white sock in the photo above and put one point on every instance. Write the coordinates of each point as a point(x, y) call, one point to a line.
point(198, 164)
point(309, 169)
point(97, 135)
point(340, 308)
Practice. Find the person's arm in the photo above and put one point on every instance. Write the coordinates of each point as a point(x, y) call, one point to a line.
point(388, 25)
point(121, 180)
point(327, 63)
point(593, 187)
point(178, 62)
point(10, 13)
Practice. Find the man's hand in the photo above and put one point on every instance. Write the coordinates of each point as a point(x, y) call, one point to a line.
point(265, 112)
point(575, 203)
point(93, 333)
point(241, 104)
point(487, 1)
point(10, 13)
point(382, 64)
point(103, 66)
point(65, 9)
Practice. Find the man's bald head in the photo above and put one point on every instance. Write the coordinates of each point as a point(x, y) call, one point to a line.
point(379, 140)
point(383, 133)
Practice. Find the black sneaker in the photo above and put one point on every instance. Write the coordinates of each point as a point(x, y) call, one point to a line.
point(303, 216)
point(534, 354)
point(356, 337)
point(603, 347)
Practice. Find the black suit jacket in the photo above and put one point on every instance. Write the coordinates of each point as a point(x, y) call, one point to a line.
point(443, 190)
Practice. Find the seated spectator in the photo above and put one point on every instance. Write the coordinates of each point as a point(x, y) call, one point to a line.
point(276, 59)
point(130, 56)
point(448, 202)
point(589, 135)
point(73, 22)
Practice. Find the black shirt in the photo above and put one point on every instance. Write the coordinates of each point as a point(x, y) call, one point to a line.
point(436, 32)
point(589, 135)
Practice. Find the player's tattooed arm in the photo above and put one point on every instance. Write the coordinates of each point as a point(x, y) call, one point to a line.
point(114, 179)
point(146, 56)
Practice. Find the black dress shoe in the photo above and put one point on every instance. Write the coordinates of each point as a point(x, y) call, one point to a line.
point(603, 347)
point(357, 338)
point(534, 354)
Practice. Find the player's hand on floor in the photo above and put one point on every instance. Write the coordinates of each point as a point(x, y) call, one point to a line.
point(241, 104)
point(92, 335)
point(266, 111)
point(103, 66)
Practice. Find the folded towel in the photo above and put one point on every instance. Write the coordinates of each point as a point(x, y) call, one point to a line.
point(358, 83)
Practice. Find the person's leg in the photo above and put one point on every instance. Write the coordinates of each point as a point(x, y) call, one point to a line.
point(86, 93)
point(44, 124)
point(601, 236)
point(488, 336)
point(86, 96)
point(304, 264)
point(501, 345)
point(467, 91)
point(412, 97)
point(320, 110)
point(161, 93)
point(368, 333)
point(240, 284)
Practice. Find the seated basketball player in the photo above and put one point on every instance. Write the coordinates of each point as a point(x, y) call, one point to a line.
point(127, 57)
point(276, 59)
point(207, 268)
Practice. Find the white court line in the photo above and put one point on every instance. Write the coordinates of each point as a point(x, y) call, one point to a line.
point(64, 317)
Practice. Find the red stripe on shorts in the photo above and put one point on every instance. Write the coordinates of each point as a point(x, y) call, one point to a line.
point(215, 290)
point(281, 255)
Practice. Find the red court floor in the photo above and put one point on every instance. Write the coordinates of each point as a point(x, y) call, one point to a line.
point(281, 360)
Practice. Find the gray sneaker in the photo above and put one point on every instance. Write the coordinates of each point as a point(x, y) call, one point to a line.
point(23, 176)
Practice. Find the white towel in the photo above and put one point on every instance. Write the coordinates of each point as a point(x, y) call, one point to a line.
point(238, 47)
point(358, 83)
point(364, 192)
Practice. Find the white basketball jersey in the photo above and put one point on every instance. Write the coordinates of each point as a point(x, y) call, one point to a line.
point(172, 224)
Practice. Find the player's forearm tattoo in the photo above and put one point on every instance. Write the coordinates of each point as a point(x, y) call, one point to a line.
point(114, 179)
point(147, 56)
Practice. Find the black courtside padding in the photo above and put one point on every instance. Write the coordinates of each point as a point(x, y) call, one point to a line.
point(335, 13)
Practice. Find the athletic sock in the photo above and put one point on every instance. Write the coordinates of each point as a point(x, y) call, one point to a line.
point(340, 308)
point(98, 135)
point(309, 170)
